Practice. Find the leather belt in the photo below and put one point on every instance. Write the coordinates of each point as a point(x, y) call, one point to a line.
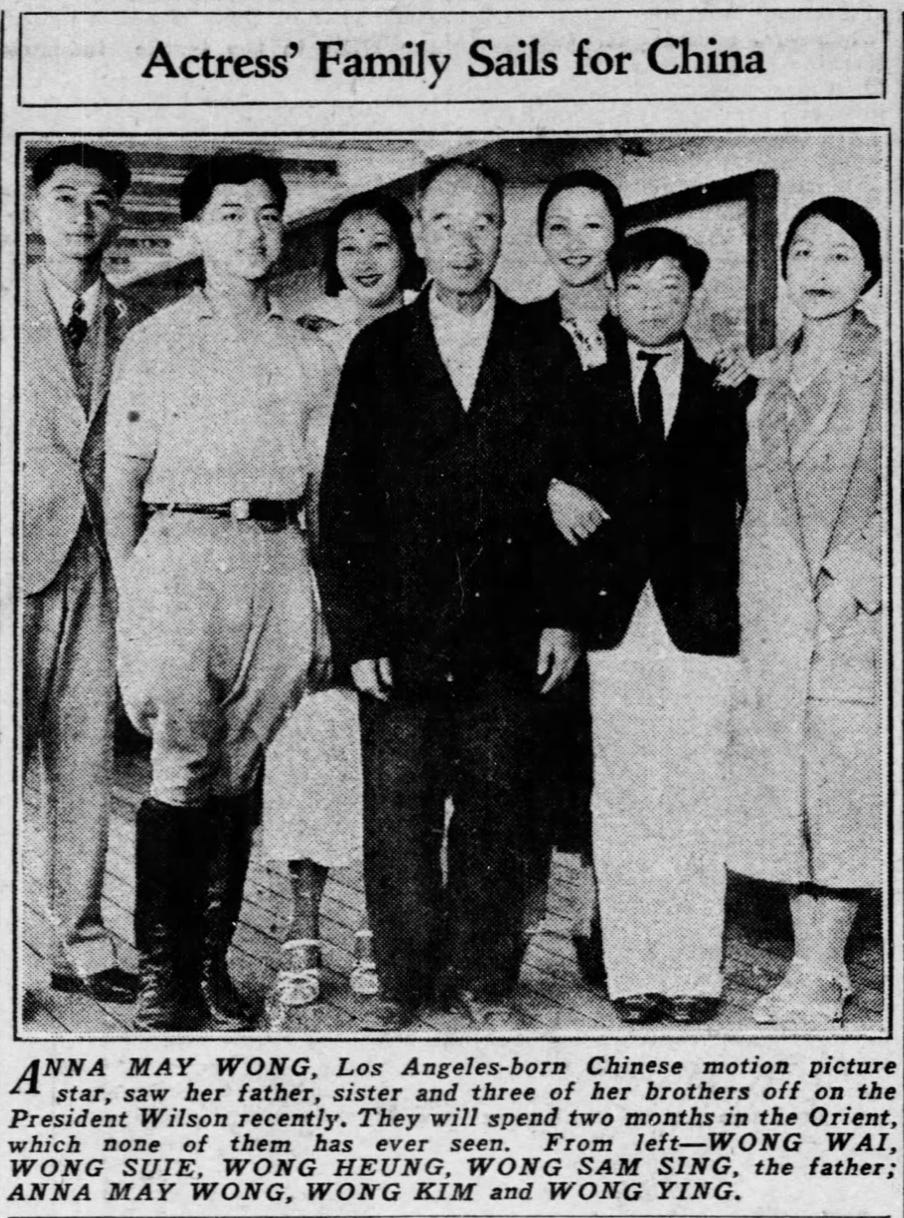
point(271, 514)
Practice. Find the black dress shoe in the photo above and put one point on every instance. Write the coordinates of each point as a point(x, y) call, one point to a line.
point(689, 1008)
point(109, 985)
point(640, 1008)
point(588, 950)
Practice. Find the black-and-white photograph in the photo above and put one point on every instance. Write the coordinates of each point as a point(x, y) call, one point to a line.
point(451, 577)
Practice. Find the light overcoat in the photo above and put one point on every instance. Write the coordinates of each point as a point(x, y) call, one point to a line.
point(806, 739)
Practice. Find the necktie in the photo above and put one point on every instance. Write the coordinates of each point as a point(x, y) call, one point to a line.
point(649, 402)
point(76, 326)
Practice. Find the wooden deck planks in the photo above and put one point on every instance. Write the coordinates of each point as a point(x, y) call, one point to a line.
point(550, 991)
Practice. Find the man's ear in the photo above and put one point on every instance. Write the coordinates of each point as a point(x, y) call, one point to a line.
point(117, 223)
point(189, 235)
point(32, 211)
point(417, 232)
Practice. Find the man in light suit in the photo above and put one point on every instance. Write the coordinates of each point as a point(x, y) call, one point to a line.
point(73, 324)
point(447, 591)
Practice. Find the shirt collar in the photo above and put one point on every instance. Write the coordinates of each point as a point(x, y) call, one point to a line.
point(449, 317)
point(674, 348)
point(204, 305)
point(63, 297)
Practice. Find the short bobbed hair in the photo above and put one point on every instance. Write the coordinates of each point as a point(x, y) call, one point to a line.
point(647, 246)
point(112, 166)
point(227, 169)
point(396, 215)
point(859, 224)
point(588, 179)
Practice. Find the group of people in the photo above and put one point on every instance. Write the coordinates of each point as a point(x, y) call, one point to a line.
point(451, 581)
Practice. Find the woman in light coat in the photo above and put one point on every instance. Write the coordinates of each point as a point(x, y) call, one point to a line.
point(806, 745)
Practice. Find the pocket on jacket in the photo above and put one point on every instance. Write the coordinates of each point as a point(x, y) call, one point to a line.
point(846, 668)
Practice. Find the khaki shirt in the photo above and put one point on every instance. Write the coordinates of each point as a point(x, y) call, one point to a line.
point(221, 411)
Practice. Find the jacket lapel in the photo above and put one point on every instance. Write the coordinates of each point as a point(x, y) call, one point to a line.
point(831, 452)
point(616, 373)
point(828, 451)
point(112, 321)
point(48, 350)
point(492, 372)
point(429, 373)
point(776, 449)
point(696, 384)
point(431, 385)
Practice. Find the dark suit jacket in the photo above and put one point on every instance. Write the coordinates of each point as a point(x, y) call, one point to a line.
point(675, 515)
point(546, 315)
point(437, 549)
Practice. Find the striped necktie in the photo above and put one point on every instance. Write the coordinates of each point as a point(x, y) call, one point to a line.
point(76, 326)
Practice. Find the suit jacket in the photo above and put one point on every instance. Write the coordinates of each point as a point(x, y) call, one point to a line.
point(546, 315)
point(61, 446)
point(675, 515)
point(437, 547)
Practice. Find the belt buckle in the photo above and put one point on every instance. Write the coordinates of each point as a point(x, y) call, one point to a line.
point(240, 509)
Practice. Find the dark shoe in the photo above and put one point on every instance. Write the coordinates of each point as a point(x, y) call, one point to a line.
point(640, 1008)
point(688, 1008)
point(109, 985)
point(588, 950)
point(166, 1003)
point(387, 1015)
point(230, 829)
point(168, 888)
point(228, 1011)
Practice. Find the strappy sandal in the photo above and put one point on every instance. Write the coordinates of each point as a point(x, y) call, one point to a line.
point(364, 979)
point(297, 983)
point(789, 1005)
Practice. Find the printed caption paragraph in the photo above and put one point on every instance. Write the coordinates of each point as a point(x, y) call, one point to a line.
point(473, 1130)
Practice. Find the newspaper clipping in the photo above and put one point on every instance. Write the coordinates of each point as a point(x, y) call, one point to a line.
point(450, 627)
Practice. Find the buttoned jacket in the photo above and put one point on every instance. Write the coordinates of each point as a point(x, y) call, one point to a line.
point(437, 547)
point(61, 443)
point(674, 514)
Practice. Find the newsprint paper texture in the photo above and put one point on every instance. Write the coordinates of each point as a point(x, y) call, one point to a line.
point(451, 635)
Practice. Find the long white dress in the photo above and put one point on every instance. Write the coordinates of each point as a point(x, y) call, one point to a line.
point(312, 780)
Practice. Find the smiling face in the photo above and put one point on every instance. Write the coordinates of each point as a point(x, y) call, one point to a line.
point(653, 302)
point(825, 271)
point(459, 234)
point(239, 231)
point(76, 211)
point(577, 232)
point(368, 259)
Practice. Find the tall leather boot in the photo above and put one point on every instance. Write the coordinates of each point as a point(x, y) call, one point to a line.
point(230, 829)
point(167, 919)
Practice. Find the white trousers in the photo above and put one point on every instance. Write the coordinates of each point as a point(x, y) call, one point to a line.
point(660, 724)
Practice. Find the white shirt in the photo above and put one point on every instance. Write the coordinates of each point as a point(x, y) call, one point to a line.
point(220, 407)
point(668, 370)
point(64, 298)
point(462, 341)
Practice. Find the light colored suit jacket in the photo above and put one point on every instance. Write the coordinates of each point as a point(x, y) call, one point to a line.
point(61, 450)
